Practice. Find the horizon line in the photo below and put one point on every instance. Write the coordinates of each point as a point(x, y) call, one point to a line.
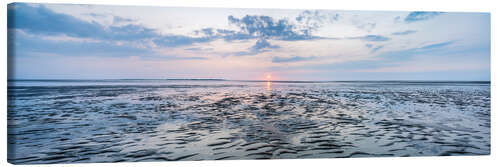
point(244, 80)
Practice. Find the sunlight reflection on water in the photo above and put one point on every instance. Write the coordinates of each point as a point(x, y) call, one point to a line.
point(268, 86)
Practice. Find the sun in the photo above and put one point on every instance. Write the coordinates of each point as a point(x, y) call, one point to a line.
point(268, 76)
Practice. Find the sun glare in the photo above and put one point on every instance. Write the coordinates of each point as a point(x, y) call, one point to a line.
point(268, 76)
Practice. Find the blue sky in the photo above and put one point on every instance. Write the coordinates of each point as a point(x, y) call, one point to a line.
point(53, 41)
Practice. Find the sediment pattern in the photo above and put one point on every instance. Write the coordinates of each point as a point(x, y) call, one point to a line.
point(238, 120)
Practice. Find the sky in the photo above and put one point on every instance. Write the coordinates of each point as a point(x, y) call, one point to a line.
point(62, 41)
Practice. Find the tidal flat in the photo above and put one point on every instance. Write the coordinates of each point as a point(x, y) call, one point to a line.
point(170, 120)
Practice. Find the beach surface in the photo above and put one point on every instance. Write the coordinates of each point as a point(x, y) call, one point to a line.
point(76, 121)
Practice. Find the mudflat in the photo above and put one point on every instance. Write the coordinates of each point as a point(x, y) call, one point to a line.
point(149, 120)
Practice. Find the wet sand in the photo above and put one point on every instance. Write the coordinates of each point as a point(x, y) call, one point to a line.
point(222, 120)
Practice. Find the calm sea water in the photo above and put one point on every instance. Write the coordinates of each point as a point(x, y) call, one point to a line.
point(71, 121)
